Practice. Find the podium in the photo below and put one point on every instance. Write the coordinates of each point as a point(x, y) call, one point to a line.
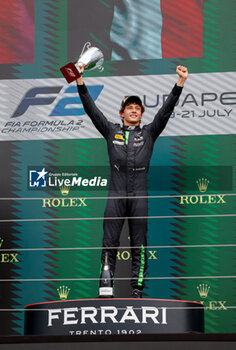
point(114, 317)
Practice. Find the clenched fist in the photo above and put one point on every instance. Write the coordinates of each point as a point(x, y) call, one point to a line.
point(182, 72)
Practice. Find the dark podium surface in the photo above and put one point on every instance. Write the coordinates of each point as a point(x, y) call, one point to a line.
point(89, 317)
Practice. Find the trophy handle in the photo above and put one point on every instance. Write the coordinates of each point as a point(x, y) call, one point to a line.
point(86, 47)
point(100, 68)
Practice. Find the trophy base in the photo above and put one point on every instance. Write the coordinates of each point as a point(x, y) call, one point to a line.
point(70, 72)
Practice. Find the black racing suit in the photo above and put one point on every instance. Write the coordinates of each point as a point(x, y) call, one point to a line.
point(130, 149)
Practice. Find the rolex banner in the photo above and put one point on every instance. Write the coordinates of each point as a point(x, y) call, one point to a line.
point(51, 224)
point(54, 175)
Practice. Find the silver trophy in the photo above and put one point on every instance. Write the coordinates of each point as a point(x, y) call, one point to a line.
point(90, 58)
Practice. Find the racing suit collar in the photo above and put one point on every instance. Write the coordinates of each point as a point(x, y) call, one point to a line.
point(131, 127)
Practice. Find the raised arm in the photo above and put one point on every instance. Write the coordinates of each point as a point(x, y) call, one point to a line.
point(164, 113)
point(97, 117)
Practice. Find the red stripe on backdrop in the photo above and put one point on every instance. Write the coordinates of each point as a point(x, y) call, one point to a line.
point(16, 31)
point(182, 28)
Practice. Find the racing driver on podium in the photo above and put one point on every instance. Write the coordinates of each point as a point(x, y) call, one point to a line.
point(130, 148)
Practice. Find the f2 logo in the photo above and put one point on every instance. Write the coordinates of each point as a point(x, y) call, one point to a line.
point(61, 108)
point(31, 98)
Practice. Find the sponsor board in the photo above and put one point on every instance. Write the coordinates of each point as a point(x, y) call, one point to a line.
point(212, 305)
point(52, 109)
point(6, 257)
point(113, 316)
point(125, 255)
point(203, 184)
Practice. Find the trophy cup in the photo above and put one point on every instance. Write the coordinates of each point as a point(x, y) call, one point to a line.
point(90, 58)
